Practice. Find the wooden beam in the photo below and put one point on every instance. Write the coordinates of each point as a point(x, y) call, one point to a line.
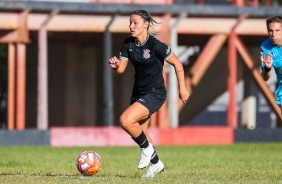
point(97, 23)
point(232, 118)
point(203, 62)
point(251, 26)
point(19, 33)
point(20, 85)
point(206, 57)
point(242, 49)
point(11, 86)
point(232, 82)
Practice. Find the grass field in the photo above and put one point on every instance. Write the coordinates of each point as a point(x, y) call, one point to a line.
point(238, 163)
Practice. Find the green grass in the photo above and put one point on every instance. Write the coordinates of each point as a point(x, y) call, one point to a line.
point(239, 163)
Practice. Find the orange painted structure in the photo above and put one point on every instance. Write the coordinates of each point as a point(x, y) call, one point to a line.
point(18, 24)
point(17, 38)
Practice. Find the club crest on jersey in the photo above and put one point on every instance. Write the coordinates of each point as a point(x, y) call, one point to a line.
point(146, 53)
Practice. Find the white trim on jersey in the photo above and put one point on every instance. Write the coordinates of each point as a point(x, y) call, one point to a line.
point(123, 58)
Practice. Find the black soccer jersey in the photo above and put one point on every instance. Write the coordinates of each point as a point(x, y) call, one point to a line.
point(148, 60)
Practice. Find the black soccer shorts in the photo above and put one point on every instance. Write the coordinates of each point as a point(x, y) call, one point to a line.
point(152, 100)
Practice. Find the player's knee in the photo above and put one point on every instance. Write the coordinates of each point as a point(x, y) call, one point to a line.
point(124, 122)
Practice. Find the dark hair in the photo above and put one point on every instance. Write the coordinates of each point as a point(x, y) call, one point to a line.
point(146, 17)
point(273, 19)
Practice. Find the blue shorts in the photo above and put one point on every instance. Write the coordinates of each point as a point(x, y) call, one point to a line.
point(152, 100)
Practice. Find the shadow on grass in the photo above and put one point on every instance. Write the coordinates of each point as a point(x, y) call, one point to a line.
point(63, 175)
point(40, 174)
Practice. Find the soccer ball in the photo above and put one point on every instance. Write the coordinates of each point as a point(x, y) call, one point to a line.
point(88, 163)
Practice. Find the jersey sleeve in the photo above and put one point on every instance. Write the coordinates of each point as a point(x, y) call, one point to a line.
point(163, 51)
point(265, 49)
point(263, 53)
point(124, 51)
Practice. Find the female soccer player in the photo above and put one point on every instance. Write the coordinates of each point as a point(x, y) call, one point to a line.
point(147, 54)
point(271, 54)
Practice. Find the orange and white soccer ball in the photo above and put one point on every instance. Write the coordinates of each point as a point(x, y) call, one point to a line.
point(88, 163)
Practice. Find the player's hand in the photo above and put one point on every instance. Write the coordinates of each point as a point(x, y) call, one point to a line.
point(184, 95)
point(268, 60)
point(114, 62)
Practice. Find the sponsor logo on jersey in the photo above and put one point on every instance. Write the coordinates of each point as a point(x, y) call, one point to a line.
point(146, 53)
point(141, 100)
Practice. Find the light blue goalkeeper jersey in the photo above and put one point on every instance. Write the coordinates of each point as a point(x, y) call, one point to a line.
point(268, 47)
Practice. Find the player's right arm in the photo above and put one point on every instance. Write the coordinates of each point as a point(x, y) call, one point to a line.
point(118, 65)
point(266, 65)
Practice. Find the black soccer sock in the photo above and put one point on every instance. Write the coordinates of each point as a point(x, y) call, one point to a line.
point(141, 140)
point(155, 158)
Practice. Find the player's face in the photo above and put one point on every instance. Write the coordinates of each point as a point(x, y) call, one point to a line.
point(275, 33)
point(137, 26)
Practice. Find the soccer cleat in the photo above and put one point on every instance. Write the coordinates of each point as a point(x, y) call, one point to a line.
point(154, 169)
point(146, 155)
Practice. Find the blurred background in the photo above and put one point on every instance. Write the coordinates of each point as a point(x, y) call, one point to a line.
point(54, 72)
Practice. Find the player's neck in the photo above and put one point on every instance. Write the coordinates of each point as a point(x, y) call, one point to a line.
point(141, 39)
point(277, 44)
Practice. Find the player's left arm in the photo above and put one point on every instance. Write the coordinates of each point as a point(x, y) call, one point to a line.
point(179, 70)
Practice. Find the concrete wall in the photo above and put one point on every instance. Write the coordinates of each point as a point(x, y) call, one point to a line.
point(115, 136)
